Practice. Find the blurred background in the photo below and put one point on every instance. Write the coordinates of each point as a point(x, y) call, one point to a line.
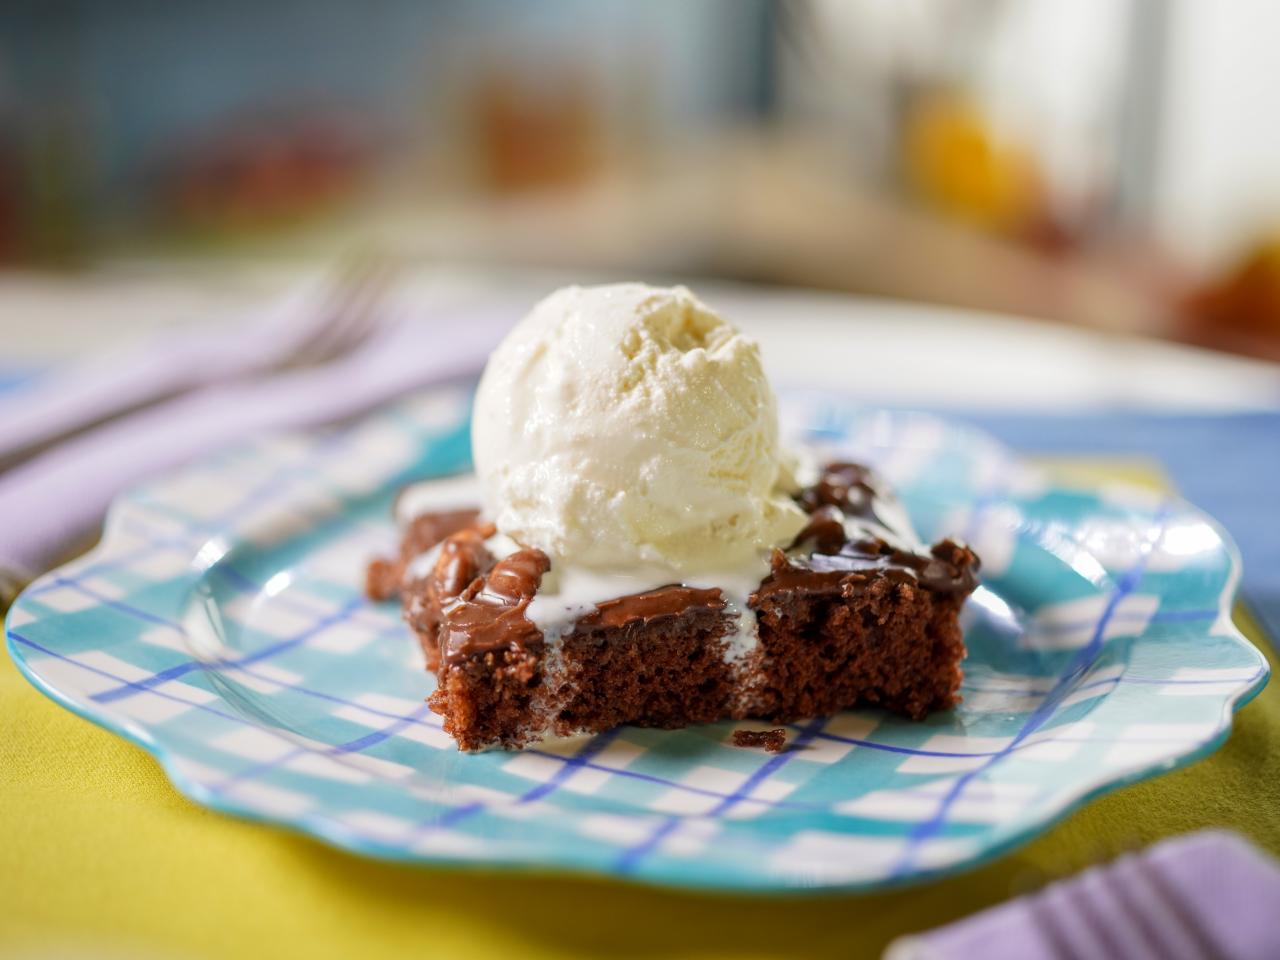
point(1058, 220)
point(1108, 164)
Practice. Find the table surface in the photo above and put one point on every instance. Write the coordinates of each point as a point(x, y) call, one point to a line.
point(102, 856)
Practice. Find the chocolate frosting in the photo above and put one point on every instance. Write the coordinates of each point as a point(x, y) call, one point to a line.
point(482, 605)
point(673, 600)
point(825, 558)
point(489, 615)
point(949, 569)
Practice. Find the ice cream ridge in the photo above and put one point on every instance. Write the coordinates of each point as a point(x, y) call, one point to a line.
point(646, 552)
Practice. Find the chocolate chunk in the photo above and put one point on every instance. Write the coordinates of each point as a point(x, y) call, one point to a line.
point(429, 529)
point(824, 533)
point(384, 577)
point(516, 578)
point(462, 558)
point(772, 740)
point(489, 615)
point(954, 569)
point(849, 487)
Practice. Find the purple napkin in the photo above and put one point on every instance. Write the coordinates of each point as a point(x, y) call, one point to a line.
point(168, 364)
point(1205, 896)
point(48, 501)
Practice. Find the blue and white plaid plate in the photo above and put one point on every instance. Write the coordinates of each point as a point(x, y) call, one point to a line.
point(220, 625)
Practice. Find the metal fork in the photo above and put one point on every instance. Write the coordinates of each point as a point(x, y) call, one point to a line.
point(345, 319)
point(315, 324)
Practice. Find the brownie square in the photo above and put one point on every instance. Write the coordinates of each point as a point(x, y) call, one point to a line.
point(850, 614)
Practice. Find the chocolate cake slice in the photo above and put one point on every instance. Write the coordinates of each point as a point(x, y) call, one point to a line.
point(853, 613)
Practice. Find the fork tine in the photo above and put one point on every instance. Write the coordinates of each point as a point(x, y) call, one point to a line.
point(381, 274)
point(364, 316)
point(375, 275)
point(315, 332)
point(321, 342)
point(350, 309)
point(350, 287)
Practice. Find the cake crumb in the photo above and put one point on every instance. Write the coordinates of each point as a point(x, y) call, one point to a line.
point(772, 740)
point(382, 579)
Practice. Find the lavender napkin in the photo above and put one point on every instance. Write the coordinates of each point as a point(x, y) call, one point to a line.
point(1205, 896)
point(62, 494)
point(103, 386)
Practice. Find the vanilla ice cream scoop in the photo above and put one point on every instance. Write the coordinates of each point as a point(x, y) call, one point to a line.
point(629, 425)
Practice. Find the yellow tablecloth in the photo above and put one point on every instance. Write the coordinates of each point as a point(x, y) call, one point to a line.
point(100, 856)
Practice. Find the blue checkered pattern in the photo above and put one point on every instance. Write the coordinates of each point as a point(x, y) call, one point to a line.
point(220, 624)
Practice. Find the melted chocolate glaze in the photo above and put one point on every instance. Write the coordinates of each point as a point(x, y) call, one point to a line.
point(481, 608)
point(489, 615)
point(825, 559)
point(673, 600)
point(950, 569)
